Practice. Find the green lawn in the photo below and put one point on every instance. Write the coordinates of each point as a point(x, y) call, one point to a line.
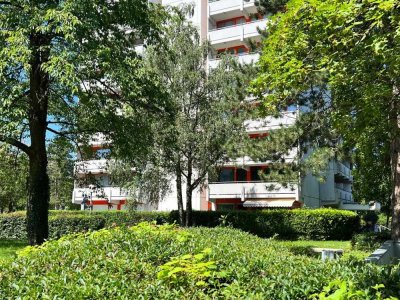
point(9, 247)
point(305, 247)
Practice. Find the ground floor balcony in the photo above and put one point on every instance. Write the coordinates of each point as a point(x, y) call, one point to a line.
point(251, 190)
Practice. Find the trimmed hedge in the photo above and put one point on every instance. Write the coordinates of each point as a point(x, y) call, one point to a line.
point(318, 224)
point(202, 263)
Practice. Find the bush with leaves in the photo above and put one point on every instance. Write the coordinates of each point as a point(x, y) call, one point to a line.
point(318, 224)
point(131, 263)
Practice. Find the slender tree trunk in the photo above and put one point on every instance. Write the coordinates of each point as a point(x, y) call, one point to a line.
point(38, 189)
point(179, 192)
point(395, 164)
point(189, 190)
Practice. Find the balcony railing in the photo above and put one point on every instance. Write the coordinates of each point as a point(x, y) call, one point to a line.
point(343, 171)
point(97, 166)
point(343, 196)
point(111, 194)
point(227, 8)
point(251, 190)
point(270, 123)
point(247, 58)
point(235, 33)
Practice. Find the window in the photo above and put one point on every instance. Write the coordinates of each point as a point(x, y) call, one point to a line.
point(226, 175)
point(241, 51)
point(254, 173)
point(241, 175)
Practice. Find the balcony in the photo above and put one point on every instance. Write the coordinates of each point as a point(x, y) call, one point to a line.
point(342, 172)
point(343, 196)
point(230, 36)
point(248, 58)
point(226, 9)
point(250, 190)
point(111, 194)
point(270, 123)
point(98, 166)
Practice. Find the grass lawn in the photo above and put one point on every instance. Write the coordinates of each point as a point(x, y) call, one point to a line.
point(305, 247)
point(9, 247)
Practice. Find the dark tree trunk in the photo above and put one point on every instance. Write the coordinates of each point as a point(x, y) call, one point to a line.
point(179, 193)
point(39, 190)
point(395, 150)
point(189, 190)
point(395, 163)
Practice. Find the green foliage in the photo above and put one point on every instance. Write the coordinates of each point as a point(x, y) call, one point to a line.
point(369, 241)
point(342, 290)
point(8, 248)
point(319, 224)
point(206, 108)
point(13, 179)
point(338, 61)
point(61, 172)
point(123, 263)
point(13, 226)
point(192, 267)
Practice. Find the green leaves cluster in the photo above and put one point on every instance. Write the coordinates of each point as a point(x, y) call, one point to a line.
point(124, 263)
point(337, 60)
point(342, 290)
point(196, 267)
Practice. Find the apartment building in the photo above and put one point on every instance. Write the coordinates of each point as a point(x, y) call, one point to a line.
point(229, 26)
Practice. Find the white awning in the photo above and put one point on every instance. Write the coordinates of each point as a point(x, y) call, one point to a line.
point(287, 203)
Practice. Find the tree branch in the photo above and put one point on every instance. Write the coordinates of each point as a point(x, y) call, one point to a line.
point(11, 141)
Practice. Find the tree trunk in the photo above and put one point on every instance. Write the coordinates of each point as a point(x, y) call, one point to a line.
point(38, 199)
point(179, 193)
point(189, 190)
point(395, 164)
point(395, 147)
point(38, 189)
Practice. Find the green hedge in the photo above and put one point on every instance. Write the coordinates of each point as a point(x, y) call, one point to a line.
point(318, 224)
point(130, 263)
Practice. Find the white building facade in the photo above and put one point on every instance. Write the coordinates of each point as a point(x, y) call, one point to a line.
point(229, 26)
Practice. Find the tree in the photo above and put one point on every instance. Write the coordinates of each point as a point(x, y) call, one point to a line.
point(70, 67)
point(372, 173)
point(207, 109)
point(61, 171)
point(13, 179)
point(341, 60)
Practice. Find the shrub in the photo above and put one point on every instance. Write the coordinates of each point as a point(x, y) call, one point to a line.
point(318, 224)
point(369, 241)
point(123, 263)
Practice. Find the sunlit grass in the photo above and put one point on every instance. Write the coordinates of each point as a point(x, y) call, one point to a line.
point(8, 249)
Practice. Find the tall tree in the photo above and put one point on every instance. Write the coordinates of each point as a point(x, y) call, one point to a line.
point(70, 67)
point(207, 108)
point(341, 59)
